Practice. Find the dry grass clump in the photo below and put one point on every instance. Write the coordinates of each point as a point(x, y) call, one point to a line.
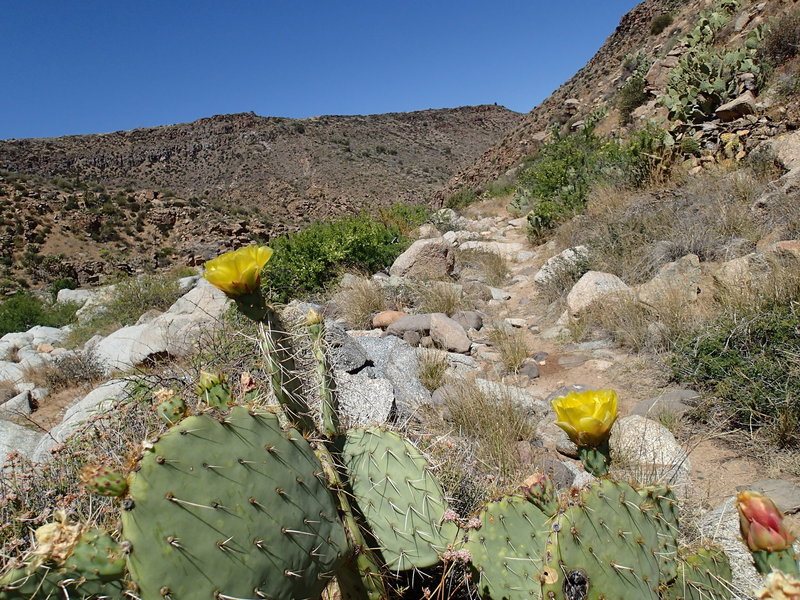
point(492, 266)
point(441, 297)
point(633, 234)
point(67, 370)
point(476, 446)
point(511, 345)
point(360, 301)
point(432, 367)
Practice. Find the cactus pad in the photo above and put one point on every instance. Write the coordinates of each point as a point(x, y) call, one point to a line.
point(604, 547)
point(94, 569)
point(237, 508)
point(103, 481)
point(704, 575)
point(507, 550)
point(400, 499)
point(662, 506)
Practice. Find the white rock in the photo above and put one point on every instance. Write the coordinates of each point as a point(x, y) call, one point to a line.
point(570, 258)
point(19, 405)
point(594, 286)
point(16, 438)
point(426, 259)
point(185, 284)
point(47, 335)
point(364, 401)
point(10, 371)
point(75, 296)
point(646, 451)
point(507, 248)
point(498, 294)
point(98, 400)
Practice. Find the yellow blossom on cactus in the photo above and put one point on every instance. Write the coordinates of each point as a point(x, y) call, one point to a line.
point(313, 317)
point(780, 586)
point(761, 523)
point(238, 272)
point(587, 417)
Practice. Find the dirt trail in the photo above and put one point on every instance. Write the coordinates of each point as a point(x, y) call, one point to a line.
point(717, 468)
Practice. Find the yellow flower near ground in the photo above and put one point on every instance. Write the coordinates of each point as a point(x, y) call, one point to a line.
point(587, 417)
point(238, 272)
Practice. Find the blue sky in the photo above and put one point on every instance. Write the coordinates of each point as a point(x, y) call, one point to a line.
point(91, 66)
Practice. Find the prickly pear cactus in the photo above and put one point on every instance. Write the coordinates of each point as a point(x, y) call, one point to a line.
point(660, 503)
point(171, 408)
point(94, 569)
point(237, 508)
point(605, 547)
point(703, 575)
point(400, 499)
point(507, 550)
point(103, 480)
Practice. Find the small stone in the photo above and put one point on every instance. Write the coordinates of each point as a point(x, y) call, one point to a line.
point(387, 317)
point(529, 369)
point(572, 361)
point(519, 323)
point(45, 348)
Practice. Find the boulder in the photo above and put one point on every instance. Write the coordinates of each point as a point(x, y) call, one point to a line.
point(418, 323)
point(448, 335)
point(675, 403)
point(571, 259)
point(98, 400)
point(501, 248)
point(16, 438)
point(594, 286)
point(10, 371)
point(647, 452)
point(20, 405)
point(395, 360)
point(425, 259)
point(75, 296)
point(345, 353)
point(47, 335)
point(468, 319)
point(743, 271)
point(679, 280)
point(364, 401)
point(738, 107)
point(173, 333)
point(535, 407)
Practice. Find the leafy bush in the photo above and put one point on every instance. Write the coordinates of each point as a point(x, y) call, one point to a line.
point(782, 40)
point(559, 177)
point(660, 23)
point(23, 310)
point(405, 217)
point(748, 362)
point(306, 261)
point(461, 199)
point(632, 94)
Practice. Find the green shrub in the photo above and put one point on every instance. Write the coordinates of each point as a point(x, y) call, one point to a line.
point(405, 217)
point(63, 283)
point(461, 198)
point(23, 310)
point(660, 23)
point(306, 261)
point(632, 95)
point(782, 40)
point(748, 362)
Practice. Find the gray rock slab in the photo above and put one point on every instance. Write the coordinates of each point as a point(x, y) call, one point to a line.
point(345, 353)
point(419, 323)
point(448, 334)
point(364, 401)
point(468, 319)
point(19, 405)
point(395, 360)
point(10, 371)
point(76, 296)
point(16, 438)
point(47, 335)
point(533, 404)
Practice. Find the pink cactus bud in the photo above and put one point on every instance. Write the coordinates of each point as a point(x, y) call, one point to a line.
point(761, 523)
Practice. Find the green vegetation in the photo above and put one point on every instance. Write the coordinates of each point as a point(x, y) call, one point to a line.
point(632, 94)
point(557, 180)
point(304, 262)
point(749, 362)
point(23, 310)
point(707, 77)
point(660, 23)
point(461, 198)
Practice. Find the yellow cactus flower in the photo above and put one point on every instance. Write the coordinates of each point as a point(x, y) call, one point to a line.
point(587, 417)
point(239, 272)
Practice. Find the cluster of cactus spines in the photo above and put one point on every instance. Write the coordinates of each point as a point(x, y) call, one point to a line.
point(93, 568)
point(661, 505)
point(104, 481)
point(702, 575)
point(324, 374)
point(231, 508)
point(507, 550)
point(401, 501)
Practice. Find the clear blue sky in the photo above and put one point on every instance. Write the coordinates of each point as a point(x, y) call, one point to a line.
point(93, 66)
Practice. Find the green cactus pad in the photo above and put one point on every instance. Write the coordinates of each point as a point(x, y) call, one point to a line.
point(400, 499)
point(507, 550)
point(238, 508)
point(661, 505)
point(94, 570)
point(172, 411)
point(104, 481)
point(703, 575)
point(604, 547)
